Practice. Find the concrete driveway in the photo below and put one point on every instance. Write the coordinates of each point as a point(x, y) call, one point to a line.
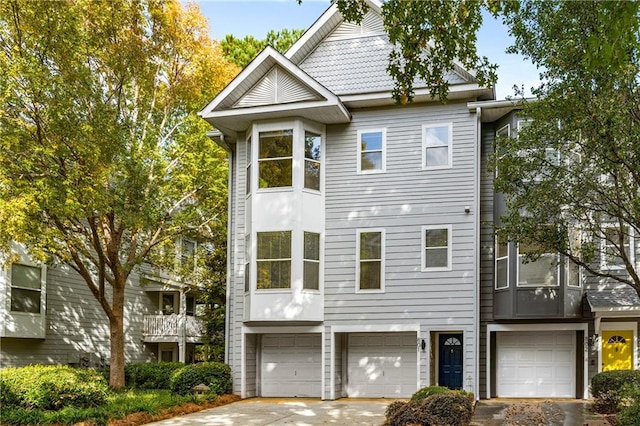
point(288, 411)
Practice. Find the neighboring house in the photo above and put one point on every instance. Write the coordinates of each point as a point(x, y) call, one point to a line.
point(546, 327)
point(48, 315)
point(354, 222)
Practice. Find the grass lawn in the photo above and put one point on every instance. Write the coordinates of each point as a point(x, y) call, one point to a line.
point(130, 407)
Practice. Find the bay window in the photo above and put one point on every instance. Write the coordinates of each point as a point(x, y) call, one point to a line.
point(273, 260)
point(275, 159)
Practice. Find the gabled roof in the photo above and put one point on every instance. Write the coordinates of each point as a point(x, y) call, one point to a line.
point(271, 86)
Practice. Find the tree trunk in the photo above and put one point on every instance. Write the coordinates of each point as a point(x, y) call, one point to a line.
point(116, 337)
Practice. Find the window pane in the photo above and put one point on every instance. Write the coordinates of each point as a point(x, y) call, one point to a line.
point(370, 275)
point(312, 175)
point(248, 153)
point(275, 173)
point(437, 156)
point(371, 161)
point(437, 258)
point(311, 276)
point(503, 247)
point(274, 245)
point(371, 141)
point(501, 274)
point(25, 300)
point(311, 246)
point(542, 272)
point(370, 245)
point(25, 276)
point(248, 181)
point(276, 144)
point(188, 252)
point(246, 276)
point(574, 274)
point(436, 237)
point(274, 274)
point(312, 146)
point(437, 136)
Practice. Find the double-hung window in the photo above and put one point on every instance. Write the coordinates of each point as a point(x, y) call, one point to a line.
point(275, 160)
point(371, 151)
point(311, 274)
point(312, 153)
point(615, 241)
point(273, 260)
point(437, 146)
point(247, 262)
point(188, 253)
point(248, 168)
point(26, 288)
point(370, 262)
point(436, 243)
point(502, 261)
point(542, 272)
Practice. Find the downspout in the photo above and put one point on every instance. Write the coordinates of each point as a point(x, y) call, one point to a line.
point(476, 288)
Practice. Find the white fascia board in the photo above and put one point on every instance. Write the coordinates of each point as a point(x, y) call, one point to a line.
point(292, 108)
point(421, 95)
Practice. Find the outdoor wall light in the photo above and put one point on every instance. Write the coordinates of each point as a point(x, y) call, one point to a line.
point(593, 340)
point(423, 344)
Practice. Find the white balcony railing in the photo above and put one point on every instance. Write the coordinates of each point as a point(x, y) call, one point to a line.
point(172, 326)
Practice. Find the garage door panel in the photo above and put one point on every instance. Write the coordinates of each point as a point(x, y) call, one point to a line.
point(536, 364)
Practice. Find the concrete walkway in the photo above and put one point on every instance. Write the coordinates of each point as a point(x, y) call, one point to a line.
point(370, 412)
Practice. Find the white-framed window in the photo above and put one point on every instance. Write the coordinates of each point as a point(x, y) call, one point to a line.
point(437, 146)
point(372, 151)
point(542, 272)
point(248, 168)
point(574, 271)
point(311, 266)
point(275, 159)
point(312, 158)
point(436, 247)
point(27, 282)
point(370, 260)
point(273, 270)
point(188, 253)
point(247, 263)
point(615, 239)
point(502, 261)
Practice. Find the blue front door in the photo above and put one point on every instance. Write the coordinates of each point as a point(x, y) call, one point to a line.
point(450, 361)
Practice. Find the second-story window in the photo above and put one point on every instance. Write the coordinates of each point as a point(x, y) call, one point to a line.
point(370, 268)
point(273, 260)
point(436, 241)
point(275, 159)
point(312, 152)
point(371, 151)
point(436, 146)
point(188, 253)
point(26, 288)
point(542, 272)
point(615, 241)
point(311, 279)
point(248, 167)
point(502, 261)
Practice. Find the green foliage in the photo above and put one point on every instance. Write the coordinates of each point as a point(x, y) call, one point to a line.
point(629, 414)
point(150, 375)
point(216, 375)
point(51, 387)
point(606, 388)
point(425, 392)
point(453, 409)
point(241, 51)
point(117, 406)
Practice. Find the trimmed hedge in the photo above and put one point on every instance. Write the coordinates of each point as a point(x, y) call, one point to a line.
point(216, 375)
point(51, 387)
point(606, 388)
point(423, 393)
point(150, 375)
point(448, 407)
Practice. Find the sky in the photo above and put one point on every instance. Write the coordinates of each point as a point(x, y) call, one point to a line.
point(257, 17)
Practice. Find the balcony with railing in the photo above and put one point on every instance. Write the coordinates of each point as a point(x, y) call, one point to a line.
point(173, 328)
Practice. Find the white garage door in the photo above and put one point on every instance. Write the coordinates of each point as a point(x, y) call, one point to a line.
point(382, 365)
point(536, 364)
point(291, 365)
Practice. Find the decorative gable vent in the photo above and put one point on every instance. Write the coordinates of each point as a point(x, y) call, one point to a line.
point(371, 24)
point(276, 87)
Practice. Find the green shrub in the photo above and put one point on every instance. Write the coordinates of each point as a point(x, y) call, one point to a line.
point(406, 413)
point(423, 393)
point(606, 386)
point(216, 375)
point(452, 409)
point(51, 387)
point(150, 375)
point(629, 408)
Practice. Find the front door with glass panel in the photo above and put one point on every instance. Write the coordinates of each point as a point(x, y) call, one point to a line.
point(617, 350)
point(450, 360)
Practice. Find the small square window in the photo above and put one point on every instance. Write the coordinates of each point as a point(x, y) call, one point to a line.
point(436, 146)
point(436, 243)
point(371, 151)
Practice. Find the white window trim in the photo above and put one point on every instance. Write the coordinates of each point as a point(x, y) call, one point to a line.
point(604, 265)
point(43, 290)
point(521, 121)
point(384, 151)
point(254, 283)
point(507, 257)
point(557, 284)
point(319, 262)
point(449, 164)
point(248, 167)
point(423, 248)
point(382, 260)
point(567, 265)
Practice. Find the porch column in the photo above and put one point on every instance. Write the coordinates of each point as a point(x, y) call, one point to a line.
point(182, 324)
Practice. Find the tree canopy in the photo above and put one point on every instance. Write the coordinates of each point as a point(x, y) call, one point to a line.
point(241, 51)
point(103, 156)
point(571, 179)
